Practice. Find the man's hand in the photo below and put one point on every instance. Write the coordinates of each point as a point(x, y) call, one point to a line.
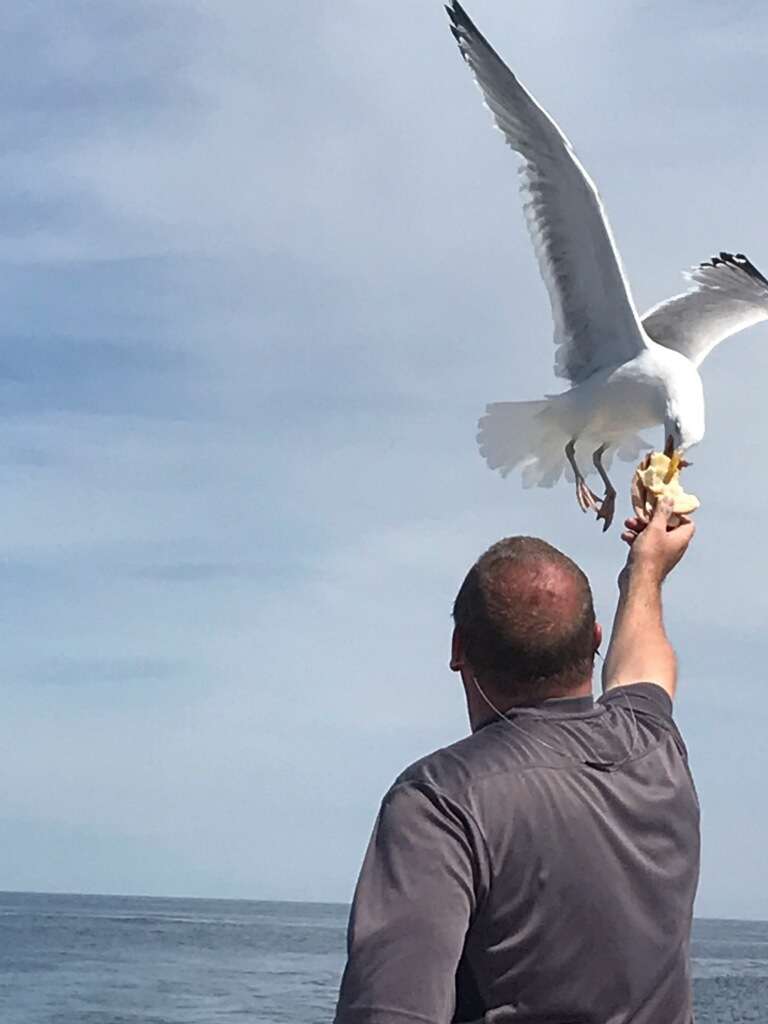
point(655, 547)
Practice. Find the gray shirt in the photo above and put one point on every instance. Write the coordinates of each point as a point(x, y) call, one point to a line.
point(540, 871)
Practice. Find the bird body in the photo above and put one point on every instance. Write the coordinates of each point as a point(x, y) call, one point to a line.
point(627, 373)
point(609, 408)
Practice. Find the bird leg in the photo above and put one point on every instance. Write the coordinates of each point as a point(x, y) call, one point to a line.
point(608, 504)
point(586, 498)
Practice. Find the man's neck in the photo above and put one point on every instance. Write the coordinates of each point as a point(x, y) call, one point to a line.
point(485, 702)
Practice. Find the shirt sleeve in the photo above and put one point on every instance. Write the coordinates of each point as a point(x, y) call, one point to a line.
point(648, 698)
point(650, 701)
point(417, 892)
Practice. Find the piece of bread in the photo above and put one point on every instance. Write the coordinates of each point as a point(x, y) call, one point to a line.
point(653, 480)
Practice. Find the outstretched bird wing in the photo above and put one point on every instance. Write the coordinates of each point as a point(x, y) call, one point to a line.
point(596, 324)
point(728, 294)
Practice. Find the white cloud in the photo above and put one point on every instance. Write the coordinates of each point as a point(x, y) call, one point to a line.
point(339, 260)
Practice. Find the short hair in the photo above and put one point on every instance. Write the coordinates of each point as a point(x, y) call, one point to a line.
point(526, 618)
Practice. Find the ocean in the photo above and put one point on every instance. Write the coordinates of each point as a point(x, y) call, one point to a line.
point(143, 960)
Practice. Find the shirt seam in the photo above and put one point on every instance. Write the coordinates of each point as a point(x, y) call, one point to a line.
point(418, 784)
point(668, 711)
point(573, 765)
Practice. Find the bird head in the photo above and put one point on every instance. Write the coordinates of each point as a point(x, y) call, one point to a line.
point(681, 429)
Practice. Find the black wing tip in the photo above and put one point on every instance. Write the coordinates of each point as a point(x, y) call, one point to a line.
point(457, 14)
point(737, 261)
point(461, 23)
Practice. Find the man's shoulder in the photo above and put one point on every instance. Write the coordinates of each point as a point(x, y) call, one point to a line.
point(453, 769)
point(645, 697)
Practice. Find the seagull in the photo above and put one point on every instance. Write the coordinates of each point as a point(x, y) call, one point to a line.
point(626, 373)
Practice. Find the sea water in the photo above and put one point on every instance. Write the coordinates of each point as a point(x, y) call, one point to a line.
point(141, 960)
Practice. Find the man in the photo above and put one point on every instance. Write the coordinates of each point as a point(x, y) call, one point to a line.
point(543, 869)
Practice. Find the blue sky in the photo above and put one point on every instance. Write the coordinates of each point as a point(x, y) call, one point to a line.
point(262, 267)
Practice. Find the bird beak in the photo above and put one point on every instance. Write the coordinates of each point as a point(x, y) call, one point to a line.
point(676, 459)
point(674, 465)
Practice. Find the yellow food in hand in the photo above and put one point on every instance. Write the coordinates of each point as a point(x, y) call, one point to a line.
point(658, 476)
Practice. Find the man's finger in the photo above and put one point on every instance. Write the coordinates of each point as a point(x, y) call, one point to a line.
point(634, 523)
point(661, 514)
point(686, 531)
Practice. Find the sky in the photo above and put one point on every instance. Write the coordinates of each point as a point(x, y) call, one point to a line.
point(263, 265)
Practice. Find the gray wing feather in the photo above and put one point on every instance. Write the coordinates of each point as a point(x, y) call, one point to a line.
point(728, 294)
point(596, 324)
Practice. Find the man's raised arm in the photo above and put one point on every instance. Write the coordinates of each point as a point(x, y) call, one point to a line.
point(639, 650)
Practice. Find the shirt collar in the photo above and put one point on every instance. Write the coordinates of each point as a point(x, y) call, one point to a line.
point(554, 708)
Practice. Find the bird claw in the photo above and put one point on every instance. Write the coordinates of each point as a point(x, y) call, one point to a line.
point(587, 499)
point(607, 510)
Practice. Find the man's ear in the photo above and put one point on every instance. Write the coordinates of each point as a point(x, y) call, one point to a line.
point(598, 636)
point(457, 652)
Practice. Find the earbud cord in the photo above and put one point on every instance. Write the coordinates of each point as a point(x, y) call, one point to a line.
point(559, 753)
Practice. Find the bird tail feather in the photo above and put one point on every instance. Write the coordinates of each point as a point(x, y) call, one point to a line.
point(531, 436)
point(522, 434)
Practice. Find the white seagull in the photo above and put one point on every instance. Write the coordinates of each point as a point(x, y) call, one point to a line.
point(626, 373)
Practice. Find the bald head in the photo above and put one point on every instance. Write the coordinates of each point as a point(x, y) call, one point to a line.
point(526, 619)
